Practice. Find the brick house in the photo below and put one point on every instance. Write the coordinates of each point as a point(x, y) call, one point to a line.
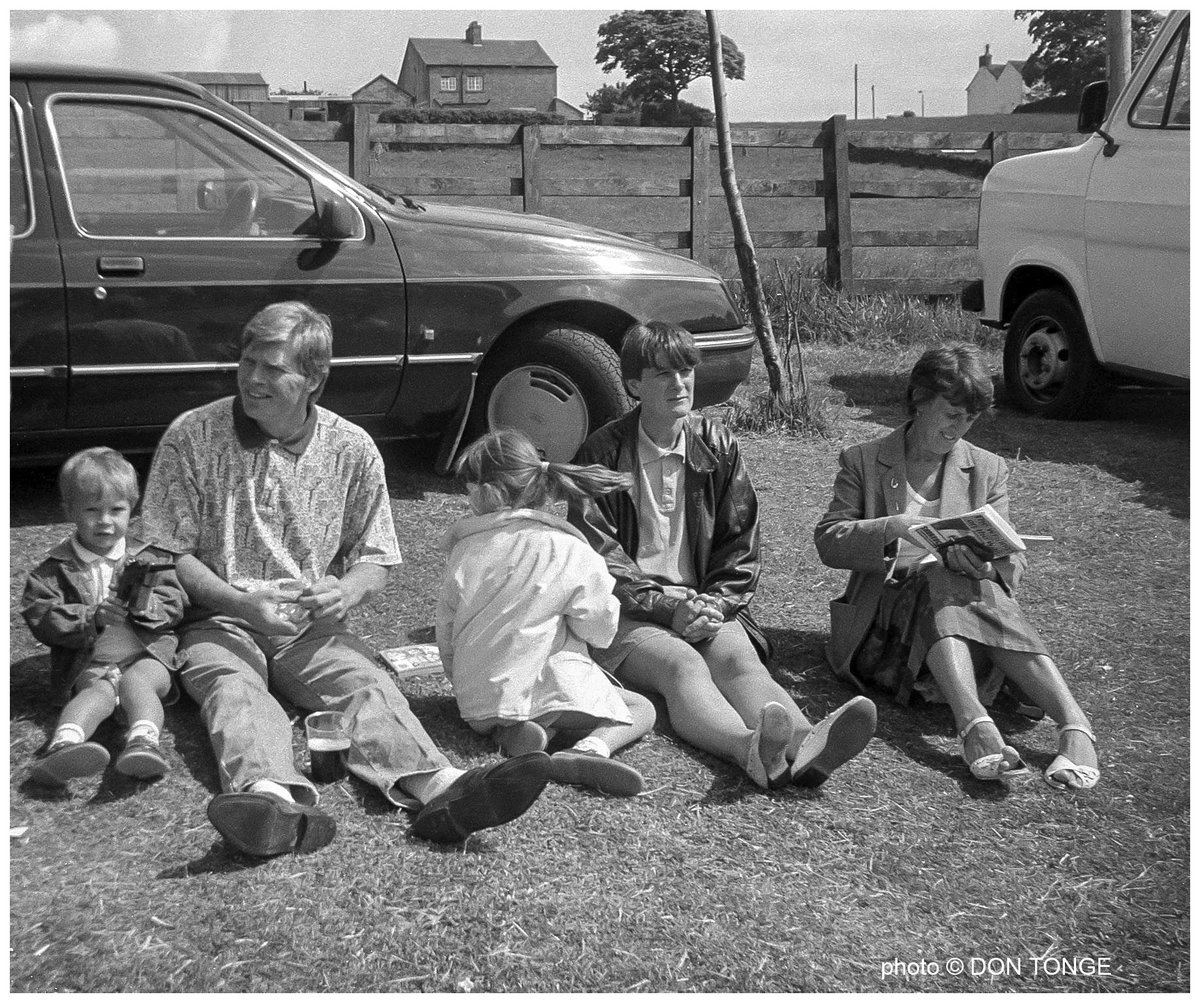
point(471, 73)
point(381, 93)
point(995, 89)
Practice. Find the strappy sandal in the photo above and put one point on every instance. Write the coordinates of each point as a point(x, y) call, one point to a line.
point(1081, 778)
point(995, 765)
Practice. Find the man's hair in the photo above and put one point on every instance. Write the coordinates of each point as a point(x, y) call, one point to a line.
point(88, 474)
point(953, 372)
point(308, 332)
point(657, 344)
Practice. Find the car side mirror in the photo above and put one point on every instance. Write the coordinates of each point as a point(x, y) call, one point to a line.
point(210, 196)
point(1093, 106)
point(337, 219)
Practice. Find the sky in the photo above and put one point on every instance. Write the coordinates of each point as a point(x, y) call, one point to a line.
point(799, 62)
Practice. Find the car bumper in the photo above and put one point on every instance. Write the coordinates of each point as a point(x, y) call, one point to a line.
point(724, 364)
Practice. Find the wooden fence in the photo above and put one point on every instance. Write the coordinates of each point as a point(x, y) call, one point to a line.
point(865, 210)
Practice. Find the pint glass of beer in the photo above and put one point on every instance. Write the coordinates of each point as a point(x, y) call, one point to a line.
point(328, 745)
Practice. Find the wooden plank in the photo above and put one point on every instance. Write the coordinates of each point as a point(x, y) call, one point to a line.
point(445, 133)
point(671, 241)
point(772, 214)
point(915, 214)
point(899, 140)
point(653, 215)
point(775, 239)
point(763, 188)
point(511, 203)
point(615, 187)
point(915, 188)
point(435, 187)
point(612, 135)
point(839, 253)
point(646, 163)
point(700, 185)
point(1043, 140)
point(530, 141)
point(758, 136)
point(462, 162)
point(915, 238)
point(308, 132)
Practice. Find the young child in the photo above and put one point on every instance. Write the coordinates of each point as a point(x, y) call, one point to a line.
point(105, 604)
point(522, 598)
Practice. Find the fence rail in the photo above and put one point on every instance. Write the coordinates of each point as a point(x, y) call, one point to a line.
point(867, 210)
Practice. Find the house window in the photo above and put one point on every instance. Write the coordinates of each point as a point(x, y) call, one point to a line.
point(449, 84)
point(475, 82)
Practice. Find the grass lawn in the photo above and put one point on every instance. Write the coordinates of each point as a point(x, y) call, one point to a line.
point(703, 883)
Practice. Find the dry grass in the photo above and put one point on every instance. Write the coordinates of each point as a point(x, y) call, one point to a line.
point(703, 883)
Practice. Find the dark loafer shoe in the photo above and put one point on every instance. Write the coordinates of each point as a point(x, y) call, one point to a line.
point(68, 760)
point(264, 825)
point(142, 759)
point(483, 797)
point(834, 740)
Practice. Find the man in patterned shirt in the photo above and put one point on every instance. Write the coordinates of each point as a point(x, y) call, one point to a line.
point(264, 490)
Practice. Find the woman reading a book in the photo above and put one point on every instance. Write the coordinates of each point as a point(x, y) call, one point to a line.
point(942, 625)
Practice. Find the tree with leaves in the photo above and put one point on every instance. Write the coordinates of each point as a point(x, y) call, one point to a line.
point(611, 98)
point(1072, 48)
point(662, 52)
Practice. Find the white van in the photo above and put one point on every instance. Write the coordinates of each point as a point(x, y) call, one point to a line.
point(1085, 250)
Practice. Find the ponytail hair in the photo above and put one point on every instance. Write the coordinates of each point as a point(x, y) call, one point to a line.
point(509, 473)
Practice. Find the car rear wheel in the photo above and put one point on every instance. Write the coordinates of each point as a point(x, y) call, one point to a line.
point(1049, 368)
point(557, 383)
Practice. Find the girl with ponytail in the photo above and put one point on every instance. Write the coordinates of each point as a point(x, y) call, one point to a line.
point(522, 597)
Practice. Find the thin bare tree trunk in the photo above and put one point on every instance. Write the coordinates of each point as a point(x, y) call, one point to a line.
point(743, 246)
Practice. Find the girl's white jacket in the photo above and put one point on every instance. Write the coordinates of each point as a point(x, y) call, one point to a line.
point(522, 597)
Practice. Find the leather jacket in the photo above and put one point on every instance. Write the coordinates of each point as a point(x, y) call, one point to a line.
point(721, 519)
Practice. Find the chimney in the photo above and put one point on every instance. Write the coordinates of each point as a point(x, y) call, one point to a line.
point(986, 58)
point(474, 34)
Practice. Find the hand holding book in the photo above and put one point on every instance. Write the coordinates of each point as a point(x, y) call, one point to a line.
point(984, 530)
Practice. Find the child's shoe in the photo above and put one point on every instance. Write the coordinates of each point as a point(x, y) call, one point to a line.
point(591, 769)
point(141, 759)
point(62, 761)
point(521, 738)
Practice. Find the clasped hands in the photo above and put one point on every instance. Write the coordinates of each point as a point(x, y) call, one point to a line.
point(958, 557)
point(698, 617)
point(323, 599)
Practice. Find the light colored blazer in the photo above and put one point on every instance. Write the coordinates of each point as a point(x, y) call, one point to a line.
point(870, 487)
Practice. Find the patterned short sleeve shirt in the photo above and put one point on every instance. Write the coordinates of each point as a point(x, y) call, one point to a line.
point(256, 511)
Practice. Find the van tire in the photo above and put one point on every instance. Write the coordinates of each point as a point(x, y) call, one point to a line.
point(555, 382)
point(1049, 367)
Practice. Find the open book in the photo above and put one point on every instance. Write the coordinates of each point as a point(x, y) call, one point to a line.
point(412, 660)
point(984, 530)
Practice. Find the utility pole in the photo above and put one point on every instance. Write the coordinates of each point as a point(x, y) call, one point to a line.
point(872, 100)
point(1119, 25)
point(922, 93)
point(856, 90)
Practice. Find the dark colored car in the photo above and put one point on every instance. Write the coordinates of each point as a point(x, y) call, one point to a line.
point(150, 220)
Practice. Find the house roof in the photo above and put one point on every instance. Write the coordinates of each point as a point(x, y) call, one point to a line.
point(490, 52)
point(203, 77)
point(995, 71)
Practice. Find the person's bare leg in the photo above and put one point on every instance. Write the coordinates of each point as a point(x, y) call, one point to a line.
point(951, 661)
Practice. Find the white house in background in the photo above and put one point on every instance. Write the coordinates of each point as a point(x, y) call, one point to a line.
point(995, 90)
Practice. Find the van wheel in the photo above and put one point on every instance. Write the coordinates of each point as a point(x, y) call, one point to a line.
point(1049, 368)
point(556, 383)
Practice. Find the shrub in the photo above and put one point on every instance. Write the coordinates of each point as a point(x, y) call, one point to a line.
point(473, 116)
point(688, 114)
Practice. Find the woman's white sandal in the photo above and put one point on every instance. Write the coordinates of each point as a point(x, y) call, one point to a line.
point(994, 765)
point(1082, 777)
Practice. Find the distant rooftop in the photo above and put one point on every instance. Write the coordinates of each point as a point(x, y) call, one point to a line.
point(203, 77)
point(489, 52)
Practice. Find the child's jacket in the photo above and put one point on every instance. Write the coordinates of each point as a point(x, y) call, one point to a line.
point(60, 611)
point(522, 598)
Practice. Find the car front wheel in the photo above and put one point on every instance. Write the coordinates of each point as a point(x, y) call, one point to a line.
point(1049, 368)
point(557, 383)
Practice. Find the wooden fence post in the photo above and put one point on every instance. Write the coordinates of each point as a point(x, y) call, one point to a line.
point(360, 143)
point(701, 150)
point(530, 144)
point(835, 156)
point(999, 147)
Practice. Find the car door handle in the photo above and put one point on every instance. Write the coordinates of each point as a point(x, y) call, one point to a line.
point(120, 266)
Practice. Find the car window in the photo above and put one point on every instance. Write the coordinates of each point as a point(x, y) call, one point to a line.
point(1165, 100)
point(148, 169)
point(20, 215)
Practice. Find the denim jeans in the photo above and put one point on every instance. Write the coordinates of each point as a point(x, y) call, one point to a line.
point(230, 671)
